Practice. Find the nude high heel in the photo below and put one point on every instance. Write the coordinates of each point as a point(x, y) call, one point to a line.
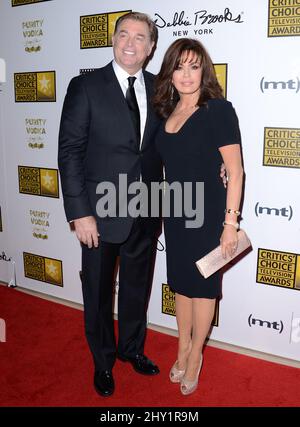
point(189, 386)
point(176, 374)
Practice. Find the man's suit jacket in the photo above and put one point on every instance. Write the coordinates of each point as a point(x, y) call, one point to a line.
point(97, 142)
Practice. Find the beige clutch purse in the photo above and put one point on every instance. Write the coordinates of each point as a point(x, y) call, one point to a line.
point(214, 260)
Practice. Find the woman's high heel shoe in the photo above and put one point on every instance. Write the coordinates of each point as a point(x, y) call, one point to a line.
point(189, 386)
point(176, 374)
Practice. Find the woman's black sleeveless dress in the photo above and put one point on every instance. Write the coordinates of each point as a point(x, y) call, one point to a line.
point(191, 155)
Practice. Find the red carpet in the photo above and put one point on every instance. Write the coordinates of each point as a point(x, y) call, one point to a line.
point(45, 361)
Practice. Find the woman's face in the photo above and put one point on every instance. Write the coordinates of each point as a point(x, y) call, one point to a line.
point(187, 77)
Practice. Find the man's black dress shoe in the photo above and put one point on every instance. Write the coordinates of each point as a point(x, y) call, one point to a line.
point(141, 364)
point(104, 383)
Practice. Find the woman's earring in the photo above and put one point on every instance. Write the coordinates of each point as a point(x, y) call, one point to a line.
point(172, 93)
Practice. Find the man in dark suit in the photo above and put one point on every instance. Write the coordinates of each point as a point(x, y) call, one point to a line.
point(107, 129)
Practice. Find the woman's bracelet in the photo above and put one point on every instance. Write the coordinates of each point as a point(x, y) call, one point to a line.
point(233, 211)
point(236, 225)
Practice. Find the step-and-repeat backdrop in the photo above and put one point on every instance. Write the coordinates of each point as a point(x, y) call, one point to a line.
point(255, 48)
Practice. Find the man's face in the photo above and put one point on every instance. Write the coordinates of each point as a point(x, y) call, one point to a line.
point(132, 45)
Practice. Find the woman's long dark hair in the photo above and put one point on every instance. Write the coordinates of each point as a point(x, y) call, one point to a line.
point(165, 95)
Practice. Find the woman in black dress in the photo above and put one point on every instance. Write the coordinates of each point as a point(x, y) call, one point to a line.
point(200, 131)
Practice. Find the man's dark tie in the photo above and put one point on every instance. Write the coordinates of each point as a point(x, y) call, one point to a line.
point(133, 108)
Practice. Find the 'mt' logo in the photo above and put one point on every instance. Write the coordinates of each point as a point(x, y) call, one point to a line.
point(291, 84)
point(286, 212)
point(277, 326)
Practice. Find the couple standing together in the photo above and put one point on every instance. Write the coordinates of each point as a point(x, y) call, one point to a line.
point(120, 119)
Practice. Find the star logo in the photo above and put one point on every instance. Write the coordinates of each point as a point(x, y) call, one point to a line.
point(48, 181)
point(52, 269)
point(44, 84)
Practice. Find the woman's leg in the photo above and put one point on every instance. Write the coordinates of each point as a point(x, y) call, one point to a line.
point(184, 318)
point(202, 315)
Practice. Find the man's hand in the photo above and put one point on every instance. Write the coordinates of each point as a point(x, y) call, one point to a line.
point(223, 175)
point(86, 231)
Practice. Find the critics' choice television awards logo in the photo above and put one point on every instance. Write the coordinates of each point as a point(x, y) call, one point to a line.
point(97, 30)
point(168, 304)
point(168, 301)
point(24, 2)
point(35, 129)
point(33, 34)
point(282, 147)
point(35, 86)
point(43, 269)
point(38, 181)
point(277, 268)
point(284, 18)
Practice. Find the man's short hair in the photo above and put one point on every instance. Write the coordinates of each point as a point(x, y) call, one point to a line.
point(143, 17)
